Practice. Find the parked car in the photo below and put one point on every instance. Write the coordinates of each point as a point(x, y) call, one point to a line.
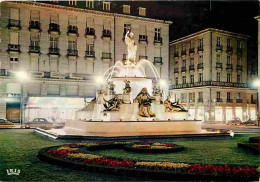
point(250, 122)
point(236, 121)
point(38, 122)
point(4, 123)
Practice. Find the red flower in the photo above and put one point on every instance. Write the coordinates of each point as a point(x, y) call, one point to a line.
point(61, 152)
point(109, 162)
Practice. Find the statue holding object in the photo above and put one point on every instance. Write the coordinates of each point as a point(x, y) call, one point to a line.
point(127, 88)
point(112, 104)
point(173, 106)
point(131, 48)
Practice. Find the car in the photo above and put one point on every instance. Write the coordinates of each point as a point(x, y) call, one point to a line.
point(250, 122)
point(4, 123)
point(236, 121)
point(38, 122)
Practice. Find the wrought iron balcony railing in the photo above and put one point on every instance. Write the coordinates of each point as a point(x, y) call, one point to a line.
point(107, 33)
point(239, 67)
point(90, 54)
point(218, 99)
point(34, 49)
point(157, 39)
point(90, 31)
point(183, 53)
point(143, 38)
point(239, 51)
point(176, 70)
point(72, 52)
point(219, 65)
point(14, 47)
point(72, 30)
point(14, 24)
point(34, 25)
point(106, 55)
point(158, 60)
point(200, 48)
point(183, 69)
point(229, 100)
point(200, 66)
point(191, 50)
point(239, 100)
point(191, 67)
point(229, 50)
point(229, 67)
point(219, 48)
point(54, 27)
point(54, 51)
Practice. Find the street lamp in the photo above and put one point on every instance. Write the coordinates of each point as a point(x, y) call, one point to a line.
point(23, 77)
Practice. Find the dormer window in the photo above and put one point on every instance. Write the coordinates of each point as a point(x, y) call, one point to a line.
point(106, 6)
point(90, 4)
point(142, 11)
point(126, 9)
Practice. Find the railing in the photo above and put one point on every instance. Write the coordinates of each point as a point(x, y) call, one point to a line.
point(191, 50)
point(14, 23)
point(34, 49)
point(239, 67)
point(176, 70)
point(219, 65)
point(200, 48)
point(90, 31)
point(34, 25)
point(90, 54)
point(200, 66)
point(183, 52)
point(72, 52)
point(14, 47)
point(209, 83)
point(107, 33)
point(157, 39)
point(54, 51)
point(239, 100)
point(219, 100)
point(183, 69)
point(143, 57)
point(54, 27)
point(191, 67)
point(200, 99)
point(143, 38)
point(72, 29)
point(229, 100)
point(219, 48)
point(239, 51)
point(158, 60)
point(229, 66)
point(176, 54)
point(229, 49)
point(106, 55)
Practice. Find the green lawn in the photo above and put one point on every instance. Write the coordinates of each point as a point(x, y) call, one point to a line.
point(19, 149)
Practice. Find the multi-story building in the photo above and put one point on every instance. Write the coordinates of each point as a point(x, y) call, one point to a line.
point(208, 72)
point(62, 48)
point(258, 19)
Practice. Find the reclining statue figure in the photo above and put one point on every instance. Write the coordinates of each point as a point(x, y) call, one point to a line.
point(172, 106)
point(144, 103)
point(113, 104)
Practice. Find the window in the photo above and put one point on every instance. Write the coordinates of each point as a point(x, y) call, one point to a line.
point(218, 95)
point(191, 97)
point(201, 59)
point(72, 2)
point(218, 41)
point(142, 11)
point(126, 9)
point(200, 96)
point(238, 78)
point(72, 45)
point(229, 60)
point(184, 63)
point(201, 43)
point(106, 6)
point(228, 43)
point(239, 44)
point(238, 96)
point(200, 77)
point(191, 45)
point(183, 47)
point(192, 79)
point(157, 34)
point(184, 80)
point(183, 97)
point(53, 42)
point(176, 81)
point(90, 50)
point(229, 78)
point(90, 4)
point(126, 28)
point(239, 60)
point(228, 96)
point(14, 64)
point(191, 61)
point(176, 49)
point(219, 58)
point(218, 76)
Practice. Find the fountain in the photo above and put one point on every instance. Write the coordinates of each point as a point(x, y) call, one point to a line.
point(128, 103)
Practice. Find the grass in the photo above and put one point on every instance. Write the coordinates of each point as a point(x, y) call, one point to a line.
point(19, 150)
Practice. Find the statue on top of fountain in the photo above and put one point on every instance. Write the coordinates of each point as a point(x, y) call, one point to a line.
point(131, 48)
point(144, 103)
point(173, 106)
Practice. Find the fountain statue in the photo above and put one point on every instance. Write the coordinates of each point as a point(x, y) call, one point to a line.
point(131, 48)
point(127, 88)
point(112, 105)
point(173, 106)
point(144, 103)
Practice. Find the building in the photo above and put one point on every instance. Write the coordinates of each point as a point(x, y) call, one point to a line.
point(209, 76)
point(62, 47)
point(258, 19)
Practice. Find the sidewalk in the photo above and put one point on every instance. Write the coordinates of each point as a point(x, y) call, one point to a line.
point(234, 128)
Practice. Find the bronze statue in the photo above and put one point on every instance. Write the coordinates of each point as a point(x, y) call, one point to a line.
point(172, 106)
point(127, 88)
point(111, 87)
point(144, 103)
point(156, 90)
point(113, 104)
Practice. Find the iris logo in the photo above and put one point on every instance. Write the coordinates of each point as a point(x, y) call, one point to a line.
point(13, 172)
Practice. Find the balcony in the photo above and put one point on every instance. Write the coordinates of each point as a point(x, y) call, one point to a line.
point(219, 48)
point(219, 65)
point(229, 67)
point(158, 60)
point(90, 54)
point(239, 100)
point(200, 66)
point(13, 48)
point(176, 70)
point(239, 67)
point(34, 49)
point(183, 53)
point(200, 99)
point(176, 54)
point(239, 51)
point(54, 51)
point(14, 24)
point(143, 38)
point(72, 53)
point(157, 40)
point(34, 26)
point(143, 57)
point(183, 69)
point(191, 50)
point(54, 28)
point(200, 49)
point(90, 33)
point(72, 31)
point(107, 34)
point(218, 99)
point(106, 56)
point(191, 68)
point(229, 100)
point(229, 50)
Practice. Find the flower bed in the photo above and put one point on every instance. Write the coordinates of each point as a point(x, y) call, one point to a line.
point(253, 146)
point(81, 156)
point(153, 147)
point(254, 139)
